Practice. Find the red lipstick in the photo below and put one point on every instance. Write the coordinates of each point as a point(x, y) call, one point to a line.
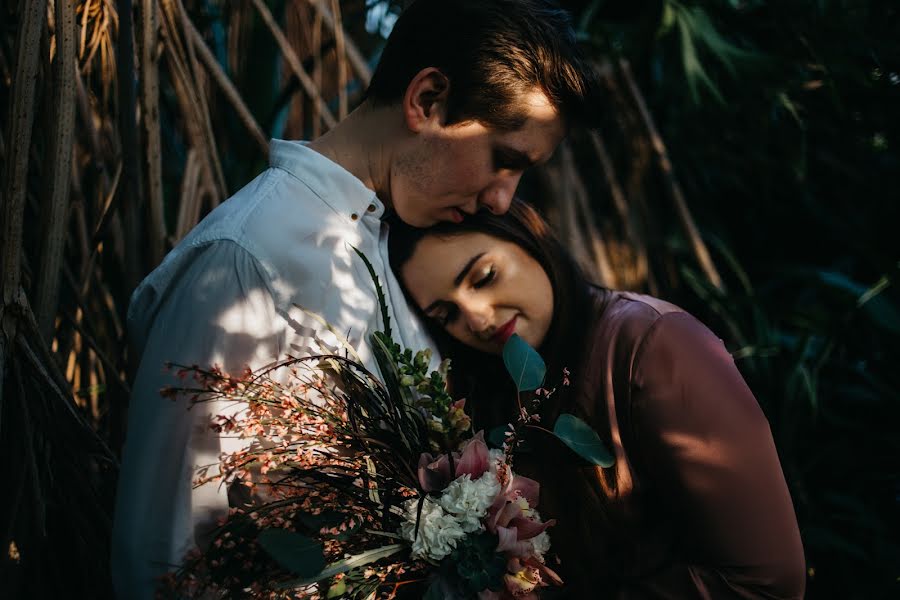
point(505, 331)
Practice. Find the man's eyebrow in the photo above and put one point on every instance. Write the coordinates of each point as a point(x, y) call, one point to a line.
point(515, 158)
point(457, 281)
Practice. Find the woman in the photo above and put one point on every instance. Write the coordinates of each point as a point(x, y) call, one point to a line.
point(696, 505)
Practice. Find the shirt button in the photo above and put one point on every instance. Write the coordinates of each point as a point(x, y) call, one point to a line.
point(354, 216)
point(371, 208)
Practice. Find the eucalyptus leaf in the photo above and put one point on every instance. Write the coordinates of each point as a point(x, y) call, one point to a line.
point(295, 552)
point(583, 440)
point(524, 364)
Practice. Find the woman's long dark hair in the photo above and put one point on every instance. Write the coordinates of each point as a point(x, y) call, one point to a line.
point(583, 494)
point(475, 374)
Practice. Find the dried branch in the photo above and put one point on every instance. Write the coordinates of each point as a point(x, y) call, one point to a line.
point(55, 196)
point(684, 214)
point(294, 62)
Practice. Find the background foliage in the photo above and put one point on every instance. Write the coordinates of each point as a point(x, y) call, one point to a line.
point(746, 169)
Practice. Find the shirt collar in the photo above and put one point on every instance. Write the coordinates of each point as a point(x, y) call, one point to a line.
point(336, 186)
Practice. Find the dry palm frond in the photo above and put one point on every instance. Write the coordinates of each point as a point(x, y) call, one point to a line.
point(99, 21)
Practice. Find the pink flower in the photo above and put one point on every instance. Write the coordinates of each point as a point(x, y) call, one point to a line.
point(435, 474)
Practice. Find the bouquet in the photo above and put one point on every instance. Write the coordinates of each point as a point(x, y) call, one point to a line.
point(356, 486)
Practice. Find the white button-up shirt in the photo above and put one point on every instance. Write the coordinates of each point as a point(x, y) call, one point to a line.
point(229, 294)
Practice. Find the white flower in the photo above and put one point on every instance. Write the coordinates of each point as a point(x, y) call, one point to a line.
point(469, 500)
point(438, 531)
point(541, 544)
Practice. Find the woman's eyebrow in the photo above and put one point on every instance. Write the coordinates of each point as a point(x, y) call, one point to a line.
point(457, 281)
point(465, 270)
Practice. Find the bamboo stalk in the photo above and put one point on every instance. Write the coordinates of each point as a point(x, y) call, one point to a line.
point(294, 62)
point(55, 196)
point(21, 119)
point(227, 87)
point(684, 214)
point(152, 147)
point(354, 56)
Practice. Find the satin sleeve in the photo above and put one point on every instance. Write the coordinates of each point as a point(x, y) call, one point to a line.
point(218, 310)
point(706, 447)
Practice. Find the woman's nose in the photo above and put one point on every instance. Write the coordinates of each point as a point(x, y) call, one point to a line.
point(477, 317)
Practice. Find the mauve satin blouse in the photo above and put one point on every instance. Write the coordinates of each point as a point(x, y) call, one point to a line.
point(696, 503)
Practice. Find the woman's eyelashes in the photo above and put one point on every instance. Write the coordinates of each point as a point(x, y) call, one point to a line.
point(486, 276)
point(449, 311)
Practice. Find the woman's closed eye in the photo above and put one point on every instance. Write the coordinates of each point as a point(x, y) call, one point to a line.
point(485, 277)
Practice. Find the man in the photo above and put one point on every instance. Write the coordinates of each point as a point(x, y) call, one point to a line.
point(466, 96)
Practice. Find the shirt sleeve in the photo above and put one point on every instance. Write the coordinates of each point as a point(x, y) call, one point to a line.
point(217, 310)
point(708, 453)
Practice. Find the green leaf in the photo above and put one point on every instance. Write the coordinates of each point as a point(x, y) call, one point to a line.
point(524, 364)
point(342, 566)
point(583, 440)
point(379, 292)
point(295, 552)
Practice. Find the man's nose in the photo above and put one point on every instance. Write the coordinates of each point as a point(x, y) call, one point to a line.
point(498, 196)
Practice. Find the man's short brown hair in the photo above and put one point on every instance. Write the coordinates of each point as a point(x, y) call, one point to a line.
point(492, 52)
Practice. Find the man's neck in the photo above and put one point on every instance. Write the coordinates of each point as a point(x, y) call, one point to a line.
point(361, 144)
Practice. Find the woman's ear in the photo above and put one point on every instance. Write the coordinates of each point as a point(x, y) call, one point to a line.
point(425, 101)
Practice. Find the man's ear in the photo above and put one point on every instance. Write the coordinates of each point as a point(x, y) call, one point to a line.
point(425, 100)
